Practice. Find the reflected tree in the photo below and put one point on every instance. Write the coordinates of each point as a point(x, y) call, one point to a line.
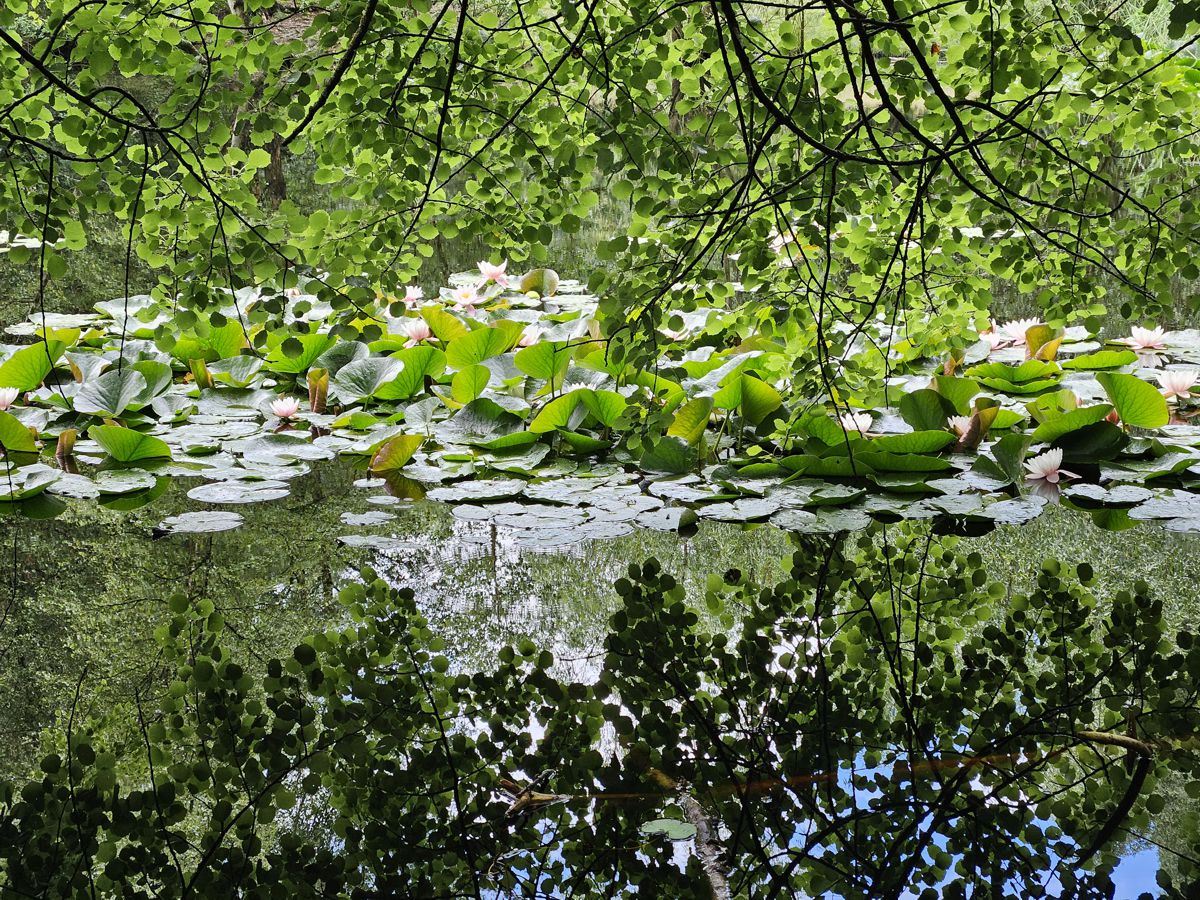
point(885, 721)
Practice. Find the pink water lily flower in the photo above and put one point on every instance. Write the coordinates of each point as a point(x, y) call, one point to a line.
point(960, 425)
point(1177, 384)
point(1015, 331)
point(494, 273)
point(464, 298)
point(418, 330)
point(285, 407)
point(8, 396)
point(994, 339)
point(529, 337)
point(1047, 467)
point(413, 295)
point(1146, 338)
point(860, 422)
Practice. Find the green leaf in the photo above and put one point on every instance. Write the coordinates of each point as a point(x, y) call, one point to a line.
point(474, 348)
point(484, 423)
point(563, 412)
point(469, 383)
point(1101, 359)
point(15, 436)
point(1006, 419)
point(824, 428)
point(226, 341)
point(1057, 426)
point(546, 361)
point(28, 367)
point(913, 442)
point(958, 391)
point(1030, 370)
point(420, 363)
point(1098, 441)
point(126, 445)
point(670, 456)
point(236, 371)
point(340, 355)
point(158, 377)
point(360, 379)
point(901, 462)
point(671, 829)
point(544, 281)
point(1009, 457)
point(296, 354)
point(759, 399)
point(691, 420)
point(355, 421)
point(110, 394)
point(1138, 402)
point(1023, 388)
point(926, 410)
point(849, 466)
point(583, 443)
point(445, 326)
point(605, 406)
point(394, 454)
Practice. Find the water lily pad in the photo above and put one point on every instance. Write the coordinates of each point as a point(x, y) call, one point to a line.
point(27, 481)
point(484, 423)
point(1017, 511)
point(480, 491)
point(201, 522)
point(371, 517)
point(793, 519)
point(76, 486)
point(747, 509)
point(1093, 495)
point(824, 521)
point(672, 518)
point(124, 481)
point(231, 491)
point(1169, 505)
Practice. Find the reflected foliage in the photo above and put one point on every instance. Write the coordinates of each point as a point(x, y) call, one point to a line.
point(882, 722)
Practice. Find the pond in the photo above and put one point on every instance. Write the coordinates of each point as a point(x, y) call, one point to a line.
point(560, 626)
point(93, 589)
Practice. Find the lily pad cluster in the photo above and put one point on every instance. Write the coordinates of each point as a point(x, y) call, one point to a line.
point(506, 399)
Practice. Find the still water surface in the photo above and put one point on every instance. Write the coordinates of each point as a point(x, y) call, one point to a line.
point(86, 590)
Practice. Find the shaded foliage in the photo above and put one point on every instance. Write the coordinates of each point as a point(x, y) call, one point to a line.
point(884, 720)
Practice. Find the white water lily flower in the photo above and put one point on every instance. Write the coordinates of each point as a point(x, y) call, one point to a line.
point(1146, 338)
point(493, 272)
point(285, 407)
point(413, 295)
point(1047, 467)
point(8, 396)
point(960, 425)
point(418, 330)
point(1177, 384)
point(860, 422)
point(1015, 331)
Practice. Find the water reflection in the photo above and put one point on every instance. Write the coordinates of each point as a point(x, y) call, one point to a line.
point(87, 587)
point(882, 716)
